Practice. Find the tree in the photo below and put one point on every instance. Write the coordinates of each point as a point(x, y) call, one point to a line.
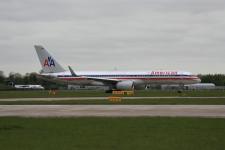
point(2, 77)
point(217, 79)
point(16, 78)
point(30, 78)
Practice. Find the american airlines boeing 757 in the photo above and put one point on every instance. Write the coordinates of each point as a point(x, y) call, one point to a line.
point(115, 80)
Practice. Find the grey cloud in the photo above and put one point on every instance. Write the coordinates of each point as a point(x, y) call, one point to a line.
point(102, 34)
point(50, 10)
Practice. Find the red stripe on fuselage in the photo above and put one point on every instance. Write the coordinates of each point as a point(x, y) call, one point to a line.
point(127, 78)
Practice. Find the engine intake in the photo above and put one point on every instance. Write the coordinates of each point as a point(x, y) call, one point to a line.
point(125, 85)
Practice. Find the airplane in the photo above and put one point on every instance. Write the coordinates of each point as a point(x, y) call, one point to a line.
point(115, 80)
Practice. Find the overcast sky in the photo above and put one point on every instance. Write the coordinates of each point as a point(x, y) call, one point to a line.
point(107, 34)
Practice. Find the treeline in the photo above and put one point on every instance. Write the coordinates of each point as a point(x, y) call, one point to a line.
point(17, 78)
point(217, 79)
point(7, 82)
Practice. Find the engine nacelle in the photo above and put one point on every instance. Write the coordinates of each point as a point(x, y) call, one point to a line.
point(125, 85)
point(139, 87)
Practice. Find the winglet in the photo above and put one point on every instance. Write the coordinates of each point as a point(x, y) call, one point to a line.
point(72, 72)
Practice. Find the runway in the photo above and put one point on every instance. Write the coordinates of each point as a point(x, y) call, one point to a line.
point(100, 98)
point(113, 110)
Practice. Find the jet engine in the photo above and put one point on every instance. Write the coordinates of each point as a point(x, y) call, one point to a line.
point(125, 85)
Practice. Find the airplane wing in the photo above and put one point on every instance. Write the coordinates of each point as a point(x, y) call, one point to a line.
point(61, 81)
point(73, 74)
point(110, 81)
point(102, 79)
point(51, 79)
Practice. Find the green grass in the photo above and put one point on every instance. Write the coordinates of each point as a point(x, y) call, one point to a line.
point(29, 94)
point(154, 93)
point(112, 133)
point(40, 94)
point(180, 101)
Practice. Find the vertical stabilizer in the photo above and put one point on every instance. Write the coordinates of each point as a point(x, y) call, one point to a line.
point(48, 63)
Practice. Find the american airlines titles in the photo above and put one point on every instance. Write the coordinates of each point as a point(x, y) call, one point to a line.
point(164, 73)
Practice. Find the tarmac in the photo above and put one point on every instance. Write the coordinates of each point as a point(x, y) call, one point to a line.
point(100, 98)
point(214, 111)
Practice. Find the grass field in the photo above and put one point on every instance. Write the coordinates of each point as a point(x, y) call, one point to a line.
point(180, 101)
point(172, 101)
point(39, 94)
point(112, 133)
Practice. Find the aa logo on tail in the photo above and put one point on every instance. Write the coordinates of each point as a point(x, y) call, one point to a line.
point(49, 62)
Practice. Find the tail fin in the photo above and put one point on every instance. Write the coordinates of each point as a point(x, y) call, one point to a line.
point(48, 63)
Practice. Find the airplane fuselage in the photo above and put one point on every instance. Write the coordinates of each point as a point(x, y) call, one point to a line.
point(138, 77)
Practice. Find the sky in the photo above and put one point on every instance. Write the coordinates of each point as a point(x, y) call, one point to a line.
point(114, 34)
